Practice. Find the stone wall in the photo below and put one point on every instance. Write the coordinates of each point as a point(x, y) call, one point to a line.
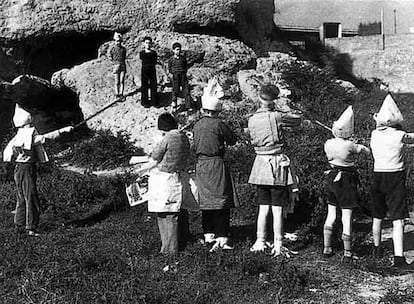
point(393, 65)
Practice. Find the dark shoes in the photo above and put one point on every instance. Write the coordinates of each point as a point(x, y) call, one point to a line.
point(401, 263)
point(328, 255)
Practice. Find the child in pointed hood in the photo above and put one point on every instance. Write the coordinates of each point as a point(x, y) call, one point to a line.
point(341, 181)
point(388, 187)
point(26, 149)
point(216, 190)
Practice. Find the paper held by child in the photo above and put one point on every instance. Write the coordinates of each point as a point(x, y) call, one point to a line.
point(137, 191)
point(134, 160)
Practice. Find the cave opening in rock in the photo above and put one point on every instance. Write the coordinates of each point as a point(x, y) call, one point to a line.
point(42, 56)
point(220, 29)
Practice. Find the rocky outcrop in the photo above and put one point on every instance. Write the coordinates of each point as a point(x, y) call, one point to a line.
point(268, 70)
point(219, 53)
point(93, 81)
point(250, 19)
point(50, 106)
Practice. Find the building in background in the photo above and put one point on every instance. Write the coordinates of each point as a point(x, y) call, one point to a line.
point(300, 20)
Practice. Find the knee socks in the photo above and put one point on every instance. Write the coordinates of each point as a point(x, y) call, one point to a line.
point(347, 245)
point(327, 236)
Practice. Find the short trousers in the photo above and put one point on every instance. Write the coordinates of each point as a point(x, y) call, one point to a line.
point(272, 195)
point(389, 193)
point(342, 193)
point(118, 68)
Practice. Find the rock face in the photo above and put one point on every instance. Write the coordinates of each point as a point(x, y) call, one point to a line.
point(250, 19)
point(218, 36)
point(50, 106)
point(94, 84)
point(268, 70)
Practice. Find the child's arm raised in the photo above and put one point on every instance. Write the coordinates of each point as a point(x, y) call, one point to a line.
point(39, 139)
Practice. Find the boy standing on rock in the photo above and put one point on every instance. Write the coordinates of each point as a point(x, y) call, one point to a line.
point(271, 170)
point(214, 183)
point(118, 55)
point(27, 149)
point(342, 181)
point(148, 74)
point(177, 67)
point(388, 188)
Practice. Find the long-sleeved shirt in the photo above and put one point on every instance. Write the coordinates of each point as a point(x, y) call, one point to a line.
point(342, 153)
point(387, 145)
point(172, 152)
point(26, 146)
point(266, 130)
point(149, 59)
point(177, 65)
point(210, 136)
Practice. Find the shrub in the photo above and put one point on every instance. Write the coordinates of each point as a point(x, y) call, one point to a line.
point(104, 150)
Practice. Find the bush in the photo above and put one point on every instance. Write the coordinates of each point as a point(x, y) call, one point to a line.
point(105, 150)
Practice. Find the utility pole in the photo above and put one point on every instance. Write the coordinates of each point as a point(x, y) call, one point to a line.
point(382, 29)
point(395, 21)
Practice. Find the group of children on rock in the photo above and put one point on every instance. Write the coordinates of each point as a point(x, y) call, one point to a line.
point(273, 171)
point(177, 70)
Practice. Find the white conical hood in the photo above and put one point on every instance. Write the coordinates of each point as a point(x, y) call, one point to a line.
point(344, 126)
point(21, 117)
point(210, 100)
point(389, 114)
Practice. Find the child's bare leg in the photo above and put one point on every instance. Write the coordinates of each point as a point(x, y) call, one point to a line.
point(121, 82)
point(376, 231)
point(277, 229)
point(347, 231)
point(260, 243)
point(327, 229)
point(117, 83)
point(398, 237)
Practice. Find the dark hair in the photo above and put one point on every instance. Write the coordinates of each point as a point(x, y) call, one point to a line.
point(176, 45)
point(269, 92)
point(167, 122)
point(148, 38)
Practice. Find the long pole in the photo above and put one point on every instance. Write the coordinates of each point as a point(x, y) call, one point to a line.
point(395, 21)
point(382, 29)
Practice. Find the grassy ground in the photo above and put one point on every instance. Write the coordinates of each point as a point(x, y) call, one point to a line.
point(113, 258)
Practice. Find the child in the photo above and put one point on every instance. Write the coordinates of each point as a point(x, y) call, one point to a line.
point(27, 149)
point(388, 187)
point(177, 66)
point(118, 55)
point(215, 188)
point(271, 170)
point(148, 74)
point(166, 182)
point(342, 181)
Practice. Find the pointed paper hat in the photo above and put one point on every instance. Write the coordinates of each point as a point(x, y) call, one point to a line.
point(389, 114)
point(344, 126)
point(210, 100)
point(21, 117)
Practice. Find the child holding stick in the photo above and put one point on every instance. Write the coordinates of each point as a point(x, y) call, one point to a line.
point(388, 187)
point(27, 150)
point(271, 171)
point(342, 181)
